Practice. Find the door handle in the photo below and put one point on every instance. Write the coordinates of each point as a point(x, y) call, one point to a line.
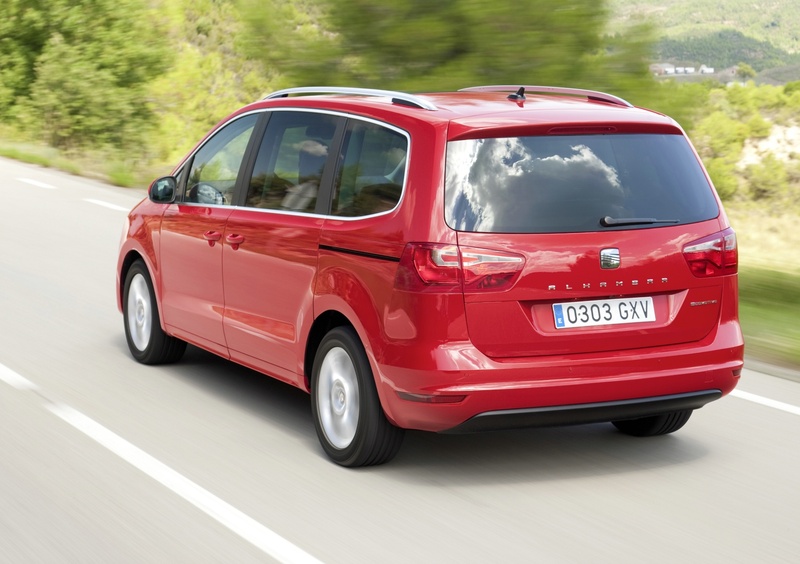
point(234, 240)
point(212, 237)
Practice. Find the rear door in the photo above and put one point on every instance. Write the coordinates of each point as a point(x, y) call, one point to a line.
point(272, 242)
point(601, 223)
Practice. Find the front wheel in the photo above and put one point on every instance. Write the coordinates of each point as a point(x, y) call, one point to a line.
point(146, 340)
point(348, 416)
point(654, 425)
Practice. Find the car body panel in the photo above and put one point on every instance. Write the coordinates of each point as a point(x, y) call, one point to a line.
point(566, 268)
point(268, 281)
point(191, 276)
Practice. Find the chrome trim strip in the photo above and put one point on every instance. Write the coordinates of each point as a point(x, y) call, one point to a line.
point(304, 214)
point(393, 94)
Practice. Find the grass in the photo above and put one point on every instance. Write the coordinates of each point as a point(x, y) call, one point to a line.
point(27, 156)
point(95, 165)
point(769, 280)
point(121, 174)
point(769, 311)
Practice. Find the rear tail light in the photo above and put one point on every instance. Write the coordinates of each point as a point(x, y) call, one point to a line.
point(437, 264)
point(489, 270)
point(449, 268)
point(715, 255)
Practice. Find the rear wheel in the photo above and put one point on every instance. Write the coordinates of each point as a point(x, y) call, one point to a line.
point(654, 425)
point(348, 416)
point(146, 340)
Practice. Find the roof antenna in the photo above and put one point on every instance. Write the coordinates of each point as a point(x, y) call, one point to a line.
point(519, 96)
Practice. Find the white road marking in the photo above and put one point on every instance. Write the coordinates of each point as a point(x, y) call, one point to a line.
point(15, 380)
point(106, 205)
point(243, 525)
point(240, 523)
point(788, 408)
point(37, 183)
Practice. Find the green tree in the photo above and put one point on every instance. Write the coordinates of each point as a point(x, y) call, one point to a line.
point(420, 45)
point(23, 34)
point(294, 40)
point(720, 136)
point(723, 175)
point(75, 70)
point(745, 71)
point(210, 79)
point(767, 179)
point(687, 103)
point(791, 87)
point(719, 140)
point(759, 127)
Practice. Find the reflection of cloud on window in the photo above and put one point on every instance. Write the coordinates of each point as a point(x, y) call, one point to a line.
point(510, 185)
point(484, 173)
point(464, 195)
point(584, 158)
point(312, 147)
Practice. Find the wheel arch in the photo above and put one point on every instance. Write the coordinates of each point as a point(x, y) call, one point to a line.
point(126, 261)
point(327, 321)
point(322, 325)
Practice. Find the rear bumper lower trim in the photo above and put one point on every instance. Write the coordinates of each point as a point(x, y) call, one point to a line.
point(584, 413)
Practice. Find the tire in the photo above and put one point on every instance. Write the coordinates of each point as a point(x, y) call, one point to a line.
point(348, 416)
point(146, 340)
point(655, 425)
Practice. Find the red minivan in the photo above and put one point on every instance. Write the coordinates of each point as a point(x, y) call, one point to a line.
point(493, 258)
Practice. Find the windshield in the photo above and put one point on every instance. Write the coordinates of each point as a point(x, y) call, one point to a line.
point(575, 183)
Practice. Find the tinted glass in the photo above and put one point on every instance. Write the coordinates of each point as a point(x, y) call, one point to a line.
point(290, 161)
point(216, 165)
point(558, 184)
point(370, 179)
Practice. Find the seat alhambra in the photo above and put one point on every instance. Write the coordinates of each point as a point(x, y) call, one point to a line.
point(493, 258)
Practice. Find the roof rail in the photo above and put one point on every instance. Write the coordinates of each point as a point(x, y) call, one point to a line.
point(397, 97)
point(591, 94)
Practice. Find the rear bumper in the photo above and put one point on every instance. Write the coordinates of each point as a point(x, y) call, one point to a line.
point(584, 413)
point(455, 388)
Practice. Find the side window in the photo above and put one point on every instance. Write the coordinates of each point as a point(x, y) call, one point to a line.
point(212, 176)
point(370, 179)
point(290, 161)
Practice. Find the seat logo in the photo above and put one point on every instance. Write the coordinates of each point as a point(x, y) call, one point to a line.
point(609, 258)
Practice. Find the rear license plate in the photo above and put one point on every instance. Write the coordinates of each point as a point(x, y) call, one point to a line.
point(603, 312)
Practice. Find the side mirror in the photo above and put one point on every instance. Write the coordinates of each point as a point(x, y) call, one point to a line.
point(163, 190)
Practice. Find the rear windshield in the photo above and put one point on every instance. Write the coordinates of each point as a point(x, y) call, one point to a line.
point(575, 183)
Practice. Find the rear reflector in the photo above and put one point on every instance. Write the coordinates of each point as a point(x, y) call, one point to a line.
point(714, 255)
point(424, 398)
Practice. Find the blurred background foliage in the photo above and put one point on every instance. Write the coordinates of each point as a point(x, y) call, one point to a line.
point(137, 82)
point(150, 76)
point(76, 72)
point(124, 88)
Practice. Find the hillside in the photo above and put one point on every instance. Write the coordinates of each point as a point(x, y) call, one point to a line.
point(774, 21)
point(724, 49)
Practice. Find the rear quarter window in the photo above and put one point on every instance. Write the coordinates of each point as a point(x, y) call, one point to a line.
point(370, 179)
point(559, 184)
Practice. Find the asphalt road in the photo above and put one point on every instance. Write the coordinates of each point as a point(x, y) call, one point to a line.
point(105, 460)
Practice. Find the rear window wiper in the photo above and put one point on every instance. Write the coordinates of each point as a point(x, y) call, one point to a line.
point(609, 221)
